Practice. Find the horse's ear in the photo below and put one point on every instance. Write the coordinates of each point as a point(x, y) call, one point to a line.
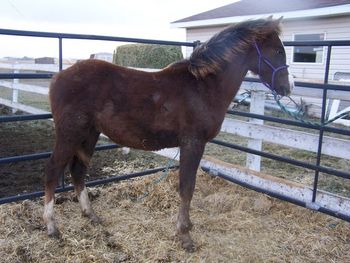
point(279, 20)
point(269, 17)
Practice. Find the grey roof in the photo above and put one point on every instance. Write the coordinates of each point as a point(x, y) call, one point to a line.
point(256, 7)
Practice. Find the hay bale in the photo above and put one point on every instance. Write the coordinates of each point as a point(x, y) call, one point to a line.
point(146, 55)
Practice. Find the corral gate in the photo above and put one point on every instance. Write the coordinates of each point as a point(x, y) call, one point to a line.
point(312, 198)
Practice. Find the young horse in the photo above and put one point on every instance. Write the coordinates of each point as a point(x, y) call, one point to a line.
point(182, 105)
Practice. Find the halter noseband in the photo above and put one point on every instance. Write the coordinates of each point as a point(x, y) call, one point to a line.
point(268, 63)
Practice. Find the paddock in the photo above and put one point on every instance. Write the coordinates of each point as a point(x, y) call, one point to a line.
point(231, 222)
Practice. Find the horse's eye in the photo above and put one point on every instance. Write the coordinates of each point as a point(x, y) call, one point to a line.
point(279, 51)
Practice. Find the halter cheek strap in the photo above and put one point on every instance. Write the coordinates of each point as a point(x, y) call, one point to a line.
point(268, 63)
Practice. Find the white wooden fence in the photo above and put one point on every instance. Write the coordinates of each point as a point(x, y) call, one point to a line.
point(15, 86)
point(254, 130)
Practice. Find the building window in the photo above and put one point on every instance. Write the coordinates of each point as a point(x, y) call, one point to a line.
point(308, 54)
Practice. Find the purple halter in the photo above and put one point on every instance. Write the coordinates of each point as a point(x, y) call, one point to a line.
point(268, 63)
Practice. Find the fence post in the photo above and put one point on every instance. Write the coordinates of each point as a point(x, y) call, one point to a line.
point(257, 106)
point(15, 91)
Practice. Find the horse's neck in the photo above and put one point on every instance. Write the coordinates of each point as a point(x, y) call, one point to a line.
point(230, 80)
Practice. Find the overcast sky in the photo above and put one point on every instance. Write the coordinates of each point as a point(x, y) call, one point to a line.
point(128, 18)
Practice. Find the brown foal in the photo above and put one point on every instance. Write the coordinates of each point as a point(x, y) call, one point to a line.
point(182, 105)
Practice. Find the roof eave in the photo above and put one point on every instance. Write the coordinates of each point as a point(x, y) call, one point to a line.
point(309, 13)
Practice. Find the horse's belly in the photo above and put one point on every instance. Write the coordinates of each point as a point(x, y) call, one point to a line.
point(141, 139)
point(140, 130)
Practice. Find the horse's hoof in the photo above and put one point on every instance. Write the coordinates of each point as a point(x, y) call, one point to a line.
point(52, 230)
point(189, 247)
point(54, 233)
point(95, 219)
point(187, 243)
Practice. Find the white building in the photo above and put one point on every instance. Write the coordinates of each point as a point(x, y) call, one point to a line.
point(103, 56)
point(303, 20)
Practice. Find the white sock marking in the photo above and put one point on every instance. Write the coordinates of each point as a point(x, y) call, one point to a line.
point(125, 150)
point(85, 202)
point(49, 217)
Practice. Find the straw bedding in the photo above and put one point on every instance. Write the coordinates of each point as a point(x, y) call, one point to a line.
point(231, 224)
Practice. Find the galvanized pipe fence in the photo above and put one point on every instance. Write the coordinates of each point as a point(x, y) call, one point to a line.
point(320, 127)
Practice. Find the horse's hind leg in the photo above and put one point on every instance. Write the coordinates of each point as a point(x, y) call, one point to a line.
point(191, 152)
point(53, 171)
point(73, 145)
point(78, 168)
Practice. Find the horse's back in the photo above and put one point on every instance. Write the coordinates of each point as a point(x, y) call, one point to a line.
point(77, 78)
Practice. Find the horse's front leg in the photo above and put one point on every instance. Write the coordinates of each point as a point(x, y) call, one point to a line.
point(191, 151)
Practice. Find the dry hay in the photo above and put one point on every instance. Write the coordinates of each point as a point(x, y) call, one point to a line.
point(231, 224)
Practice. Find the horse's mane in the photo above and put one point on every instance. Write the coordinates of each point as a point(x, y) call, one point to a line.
point(212, 56)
